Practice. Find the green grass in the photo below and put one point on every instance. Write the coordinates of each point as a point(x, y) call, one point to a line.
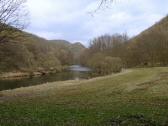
point(138, 97)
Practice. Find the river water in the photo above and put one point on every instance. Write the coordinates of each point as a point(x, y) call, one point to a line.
point(75, 72)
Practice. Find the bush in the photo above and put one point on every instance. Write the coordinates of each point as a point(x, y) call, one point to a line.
point(114, 64)
point(103, 65)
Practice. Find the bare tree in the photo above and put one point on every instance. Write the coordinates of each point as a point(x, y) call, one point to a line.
point(13, 16)
point(103, 4)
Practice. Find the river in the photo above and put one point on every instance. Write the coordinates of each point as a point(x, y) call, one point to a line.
point(75, 72)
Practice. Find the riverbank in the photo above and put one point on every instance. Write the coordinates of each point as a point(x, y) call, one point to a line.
point(30, 73)
point(71, 73)
point(136, 96)
point(28, 91)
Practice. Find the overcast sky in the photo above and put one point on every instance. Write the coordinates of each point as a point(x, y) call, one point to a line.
point(70, 19)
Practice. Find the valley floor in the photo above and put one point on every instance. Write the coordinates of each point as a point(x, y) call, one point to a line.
point(132, 98)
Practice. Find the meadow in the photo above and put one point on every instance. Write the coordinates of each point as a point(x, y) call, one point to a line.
point(134, 97)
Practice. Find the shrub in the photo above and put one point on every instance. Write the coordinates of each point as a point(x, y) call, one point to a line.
point(105, 64)
point(114, 64)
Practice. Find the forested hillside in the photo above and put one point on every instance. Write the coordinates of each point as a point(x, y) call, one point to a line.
point(32, 53)
point(107, 53)
point(148, 49)
point(76, 49)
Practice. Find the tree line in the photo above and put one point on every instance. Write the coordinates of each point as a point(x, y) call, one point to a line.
point(111, 53)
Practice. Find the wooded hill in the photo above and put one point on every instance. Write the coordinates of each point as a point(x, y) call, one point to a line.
point(151, 46)
point(148, 49)
point(32, 53)
point(106, 54)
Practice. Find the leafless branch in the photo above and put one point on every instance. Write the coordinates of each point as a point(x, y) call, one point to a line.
point(13, 17)
point(103, 4)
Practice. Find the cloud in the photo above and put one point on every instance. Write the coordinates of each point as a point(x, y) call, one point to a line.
point(70, 20)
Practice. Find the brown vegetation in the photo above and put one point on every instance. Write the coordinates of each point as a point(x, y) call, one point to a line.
point(35, 54)
point(148, 49)
point(13, 16)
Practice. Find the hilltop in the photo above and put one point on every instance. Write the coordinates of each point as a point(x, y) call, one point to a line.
point(160, 26)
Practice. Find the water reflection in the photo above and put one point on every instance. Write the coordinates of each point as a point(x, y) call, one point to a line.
point(78, 68)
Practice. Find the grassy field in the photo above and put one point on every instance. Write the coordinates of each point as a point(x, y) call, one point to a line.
point(136, 97)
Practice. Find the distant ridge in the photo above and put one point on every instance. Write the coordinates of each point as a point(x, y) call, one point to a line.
point(32, 52)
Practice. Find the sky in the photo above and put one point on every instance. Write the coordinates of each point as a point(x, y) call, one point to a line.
point(77, 21)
